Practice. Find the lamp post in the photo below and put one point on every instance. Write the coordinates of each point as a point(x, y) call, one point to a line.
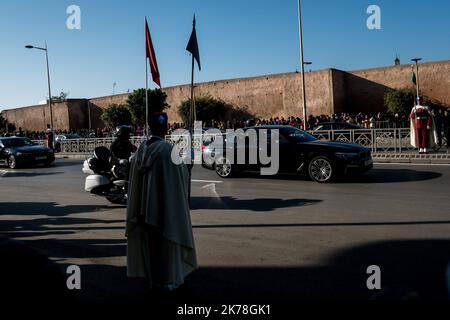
point(302, 64)
point(48, 80)
point(307, 63)
point(416, 60)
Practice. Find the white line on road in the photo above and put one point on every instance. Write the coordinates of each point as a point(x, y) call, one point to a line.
point(207, 181)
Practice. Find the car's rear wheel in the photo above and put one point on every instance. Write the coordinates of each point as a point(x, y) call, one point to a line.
point(321, 169)
point(12, 162)
point(223, 167)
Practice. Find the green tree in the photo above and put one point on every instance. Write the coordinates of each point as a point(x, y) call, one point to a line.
point(62, 97)
point(207, 108)
point(136, 104)
point(399, 101)
point(116, 115)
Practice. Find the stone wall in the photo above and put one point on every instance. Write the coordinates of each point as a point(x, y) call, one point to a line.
point(36, 118)
point(327, 91)
point(365, 88)
point(264, 97)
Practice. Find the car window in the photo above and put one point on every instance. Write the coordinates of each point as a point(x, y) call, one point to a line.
point(326, 127)
point(14, 143)
point(297, 135)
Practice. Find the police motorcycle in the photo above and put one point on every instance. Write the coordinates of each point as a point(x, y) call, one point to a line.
point(107, 178)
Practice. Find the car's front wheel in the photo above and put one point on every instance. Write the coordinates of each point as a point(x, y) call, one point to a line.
point(321, 169)
point(223, 167)
point(12, 162)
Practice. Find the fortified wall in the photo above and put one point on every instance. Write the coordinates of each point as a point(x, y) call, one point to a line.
point(327, 91)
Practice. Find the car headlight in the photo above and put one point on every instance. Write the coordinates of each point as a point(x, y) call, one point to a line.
point(346, 155)
point(18, 154)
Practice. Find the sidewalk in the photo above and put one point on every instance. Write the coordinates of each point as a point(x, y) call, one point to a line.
point(413, 158)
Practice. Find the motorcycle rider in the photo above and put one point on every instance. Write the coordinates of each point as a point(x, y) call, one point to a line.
point(122, 148)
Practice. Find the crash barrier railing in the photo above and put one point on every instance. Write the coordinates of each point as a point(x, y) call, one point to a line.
point(377, 140)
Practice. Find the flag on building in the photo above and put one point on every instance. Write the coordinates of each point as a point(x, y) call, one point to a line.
point(151, 55)
point(192, 46)
point(414, 78)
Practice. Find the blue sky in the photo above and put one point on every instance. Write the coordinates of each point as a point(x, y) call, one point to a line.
point(237, 38)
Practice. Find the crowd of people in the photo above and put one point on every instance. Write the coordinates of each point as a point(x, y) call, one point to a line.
point(365, 121)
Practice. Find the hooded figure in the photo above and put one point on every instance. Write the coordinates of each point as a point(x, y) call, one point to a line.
point(160, 240)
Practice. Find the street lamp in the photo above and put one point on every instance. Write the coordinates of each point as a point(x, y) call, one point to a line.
point(307, 63)
point(302, 64)
point(48, 80)
point(416, 60)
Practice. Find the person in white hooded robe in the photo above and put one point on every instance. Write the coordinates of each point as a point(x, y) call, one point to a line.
point(160, 246)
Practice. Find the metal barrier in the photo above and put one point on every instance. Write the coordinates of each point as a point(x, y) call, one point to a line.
point(87, 145)
point(378, 140)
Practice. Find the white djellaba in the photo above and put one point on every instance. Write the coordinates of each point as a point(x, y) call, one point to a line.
point(160, 241)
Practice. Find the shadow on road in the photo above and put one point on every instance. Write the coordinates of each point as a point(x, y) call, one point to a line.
point(414, 269)
point(31, 174)
point(391, 176)
point(260, 205)
point(372, 176)
point(46, 208)
point(410, 270)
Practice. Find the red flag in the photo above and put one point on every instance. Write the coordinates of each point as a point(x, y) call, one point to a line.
point(151, 55)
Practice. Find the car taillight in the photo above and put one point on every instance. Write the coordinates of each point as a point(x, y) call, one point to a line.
point(204, 148)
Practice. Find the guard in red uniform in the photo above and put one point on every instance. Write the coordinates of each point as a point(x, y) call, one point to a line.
point(423, 129)
point(50, 137)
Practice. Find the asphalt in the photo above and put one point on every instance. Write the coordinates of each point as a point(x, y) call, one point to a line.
point(257, 238)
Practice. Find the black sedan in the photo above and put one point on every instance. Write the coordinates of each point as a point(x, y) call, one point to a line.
point(299, 153)
point(16, 151)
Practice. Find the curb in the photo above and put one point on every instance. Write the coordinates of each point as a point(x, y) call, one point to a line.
point(83, 156)
point(412, 158)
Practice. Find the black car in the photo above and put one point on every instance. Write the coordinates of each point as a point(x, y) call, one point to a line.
point(299, 153)
point(326, 126)
point(16, 151)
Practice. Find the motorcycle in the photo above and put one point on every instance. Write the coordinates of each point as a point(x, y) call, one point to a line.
point(107, 178)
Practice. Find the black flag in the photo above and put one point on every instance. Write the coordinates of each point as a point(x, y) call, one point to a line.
point(192, 46)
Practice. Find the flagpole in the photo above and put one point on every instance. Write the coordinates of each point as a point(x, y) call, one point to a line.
point(302, 65)
point(192, 114)
point(146, 89)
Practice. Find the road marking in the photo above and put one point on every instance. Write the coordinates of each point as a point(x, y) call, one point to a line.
point(207, 181)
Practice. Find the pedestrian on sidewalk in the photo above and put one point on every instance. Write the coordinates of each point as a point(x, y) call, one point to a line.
point(161, 246)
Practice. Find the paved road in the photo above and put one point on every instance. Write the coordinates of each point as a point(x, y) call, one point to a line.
point(283, 237)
